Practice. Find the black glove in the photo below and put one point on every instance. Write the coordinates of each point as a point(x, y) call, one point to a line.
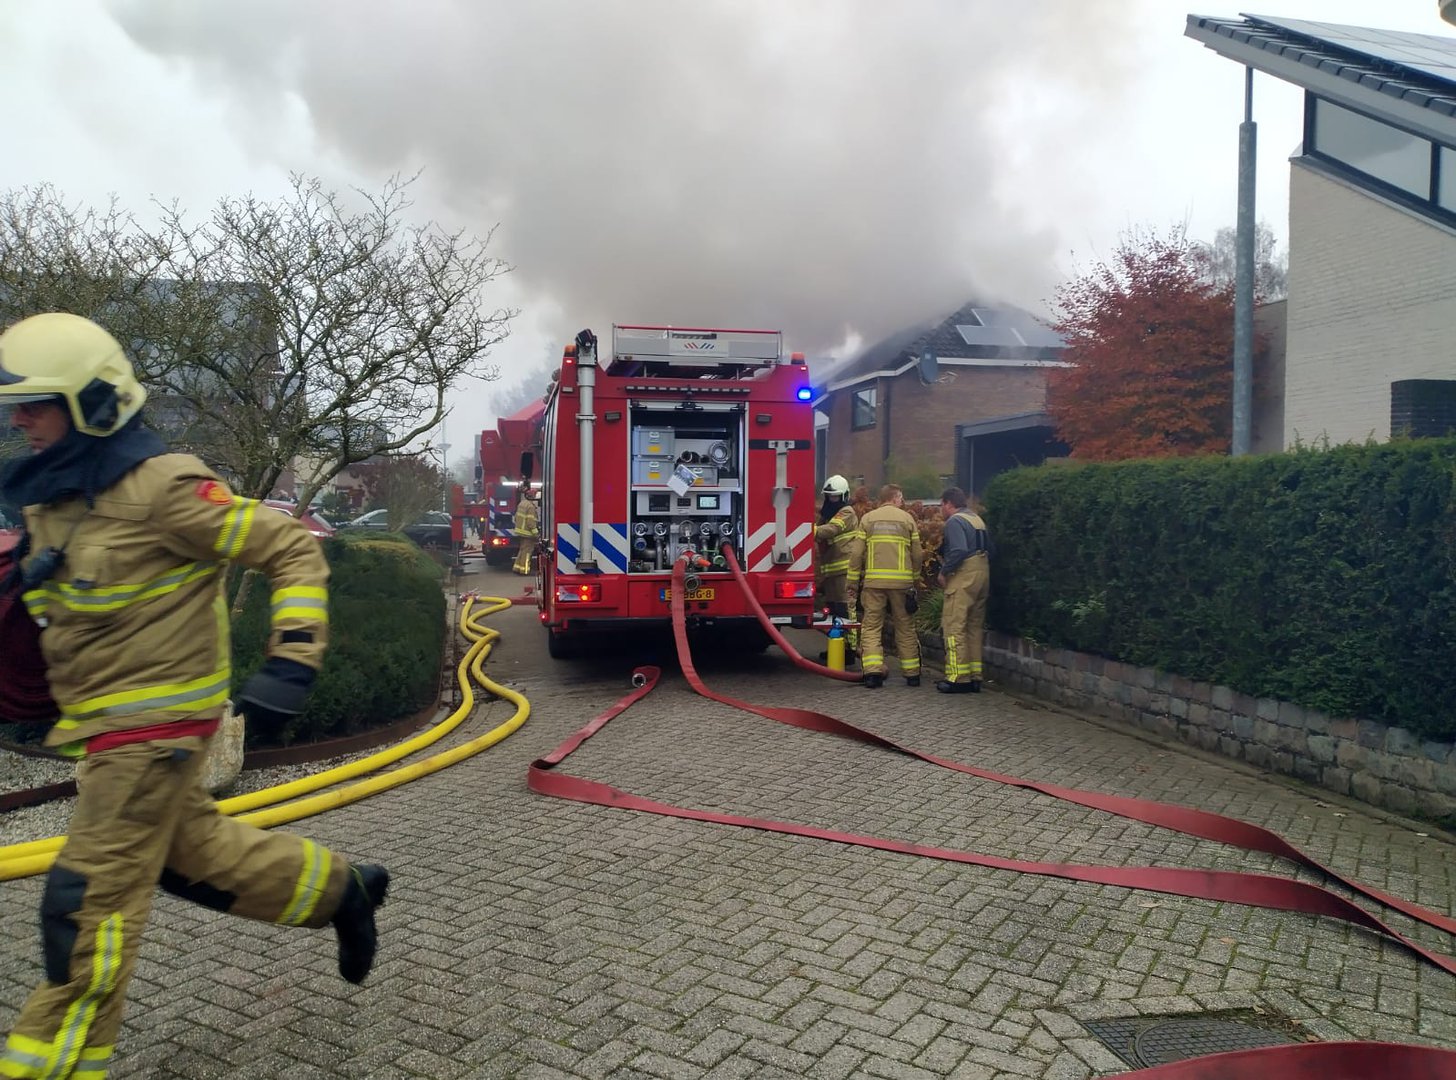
point(275, 692)
point(912, 602)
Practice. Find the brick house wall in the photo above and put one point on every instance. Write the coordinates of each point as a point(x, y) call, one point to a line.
point(1372, 300)
point(916, 423)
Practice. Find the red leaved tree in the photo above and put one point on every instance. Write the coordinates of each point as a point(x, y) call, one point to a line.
point(1152, 343)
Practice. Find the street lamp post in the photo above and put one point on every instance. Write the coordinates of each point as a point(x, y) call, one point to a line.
point(444, 464)
point(1244, 279)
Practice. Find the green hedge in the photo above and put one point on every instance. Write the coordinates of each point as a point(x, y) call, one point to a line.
point(1325, 578)
point(386, 639)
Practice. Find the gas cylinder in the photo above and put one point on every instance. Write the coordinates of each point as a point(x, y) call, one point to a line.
point(836, 647)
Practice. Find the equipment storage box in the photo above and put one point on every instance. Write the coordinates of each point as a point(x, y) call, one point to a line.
point(653, 442)
point(651, 470)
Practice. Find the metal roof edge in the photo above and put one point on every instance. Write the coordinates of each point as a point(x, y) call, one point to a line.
point(998, 424)
point(1344, 83)
point(948, 361)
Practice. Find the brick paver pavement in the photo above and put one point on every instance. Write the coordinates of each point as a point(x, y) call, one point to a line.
point(534, 937)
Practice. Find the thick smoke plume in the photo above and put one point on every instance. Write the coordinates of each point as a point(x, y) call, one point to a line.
point(826, 167)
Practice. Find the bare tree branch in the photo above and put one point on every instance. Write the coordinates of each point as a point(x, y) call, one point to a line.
point(313, 332)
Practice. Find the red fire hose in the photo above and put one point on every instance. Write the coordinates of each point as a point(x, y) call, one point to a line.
point(767, 623)
point(1332, 1061)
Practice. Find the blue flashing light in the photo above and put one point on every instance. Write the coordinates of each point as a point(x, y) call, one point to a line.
point(805, 393)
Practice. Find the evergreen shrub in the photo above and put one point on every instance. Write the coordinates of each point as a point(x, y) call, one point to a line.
point(1326, 578)
point(386, 639)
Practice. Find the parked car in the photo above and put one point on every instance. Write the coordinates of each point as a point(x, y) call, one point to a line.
point(431, 530)
point(312, 520)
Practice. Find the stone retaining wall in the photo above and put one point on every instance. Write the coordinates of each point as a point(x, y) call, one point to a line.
point(1377, 764)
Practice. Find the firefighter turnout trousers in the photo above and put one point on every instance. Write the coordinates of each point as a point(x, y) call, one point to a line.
point(142, 818)
point(963, 619)
point(526, 528)
point(525, 557)
point(874, 601)
point(835, 594)
point(834, 590)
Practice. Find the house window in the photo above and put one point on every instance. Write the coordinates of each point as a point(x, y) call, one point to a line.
point(1446, 184)
point(863, 409)
point(1396, 157)
point(1423, 408)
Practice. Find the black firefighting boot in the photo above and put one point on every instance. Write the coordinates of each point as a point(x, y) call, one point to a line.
point(354, 921)
point(873, 681)
point(912, 680)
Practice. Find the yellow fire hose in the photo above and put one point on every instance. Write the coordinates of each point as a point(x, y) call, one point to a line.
point(36, 856)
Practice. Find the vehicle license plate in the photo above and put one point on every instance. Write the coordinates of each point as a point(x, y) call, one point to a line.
point(693, 594)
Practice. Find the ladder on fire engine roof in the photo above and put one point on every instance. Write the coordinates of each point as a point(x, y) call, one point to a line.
point(690, 347)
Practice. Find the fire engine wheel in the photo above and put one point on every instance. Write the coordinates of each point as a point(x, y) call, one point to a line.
point(561, 645)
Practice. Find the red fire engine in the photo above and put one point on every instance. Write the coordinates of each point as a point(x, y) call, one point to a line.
point(500, 486)
point(677, 442)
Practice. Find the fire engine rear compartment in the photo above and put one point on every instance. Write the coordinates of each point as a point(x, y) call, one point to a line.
point(686, 452)
point(693, 512)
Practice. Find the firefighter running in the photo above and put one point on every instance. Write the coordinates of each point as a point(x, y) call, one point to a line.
point(128, 547)
point(526, 528)
point(886, 573)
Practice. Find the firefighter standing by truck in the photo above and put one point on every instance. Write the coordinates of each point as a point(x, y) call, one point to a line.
point(886, 575)
point(836, 536)
point(127, 550)
point(526, 527)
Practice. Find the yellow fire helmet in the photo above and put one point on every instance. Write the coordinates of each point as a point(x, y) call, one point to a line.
point(59, 356)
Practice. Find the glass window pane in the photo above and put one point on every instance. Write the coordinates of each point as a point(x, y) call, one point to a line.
point(863, 411)
point(1446, 196)
point(1386, 153)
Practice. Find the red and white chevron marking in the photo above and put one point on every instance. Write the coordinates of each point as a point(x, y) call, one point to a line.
point(759, 554)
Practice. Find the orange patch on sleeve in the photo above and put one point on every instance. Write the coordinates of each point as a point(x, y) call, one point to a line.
point(214, 492)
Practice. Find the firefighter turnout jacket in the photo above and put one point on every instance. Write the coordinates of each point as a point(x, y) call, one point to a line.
point(527, 518)
point(892, 554)
point(836, 539)
point(136, 624)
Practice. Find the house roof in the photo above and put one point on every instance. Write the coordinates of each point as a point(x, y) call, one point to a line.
point(1407, 79)
point(977, 334)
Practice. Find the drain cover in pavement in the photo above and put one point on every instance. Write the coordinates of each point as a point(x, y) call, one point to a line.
point(1144, 1041)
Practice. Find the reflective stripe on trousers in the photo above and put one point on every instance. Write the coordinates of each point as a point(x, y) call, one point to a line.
point(963, 619)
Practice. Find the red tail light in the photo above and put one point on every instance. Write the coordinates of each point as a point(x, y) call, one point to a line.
point(793, 590)
point(575, 594)
point(498, 541)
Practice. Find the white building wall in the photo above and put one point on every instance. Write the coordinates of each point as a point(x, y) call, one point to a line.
point(1372, 300)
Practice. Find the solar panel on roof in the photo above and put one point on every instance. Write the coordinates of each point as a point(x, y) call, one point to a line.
point(1041, 337)
point(1425, 53)
point(996, 336)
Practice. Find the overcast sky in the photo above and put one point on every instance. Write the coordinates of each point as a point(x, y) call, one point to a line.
point(837, 169)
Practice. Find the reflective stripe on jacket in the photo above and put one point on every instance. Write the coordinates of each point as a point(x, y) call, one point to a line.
point(836, 539)
point(892, 554)
point(136, 627)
